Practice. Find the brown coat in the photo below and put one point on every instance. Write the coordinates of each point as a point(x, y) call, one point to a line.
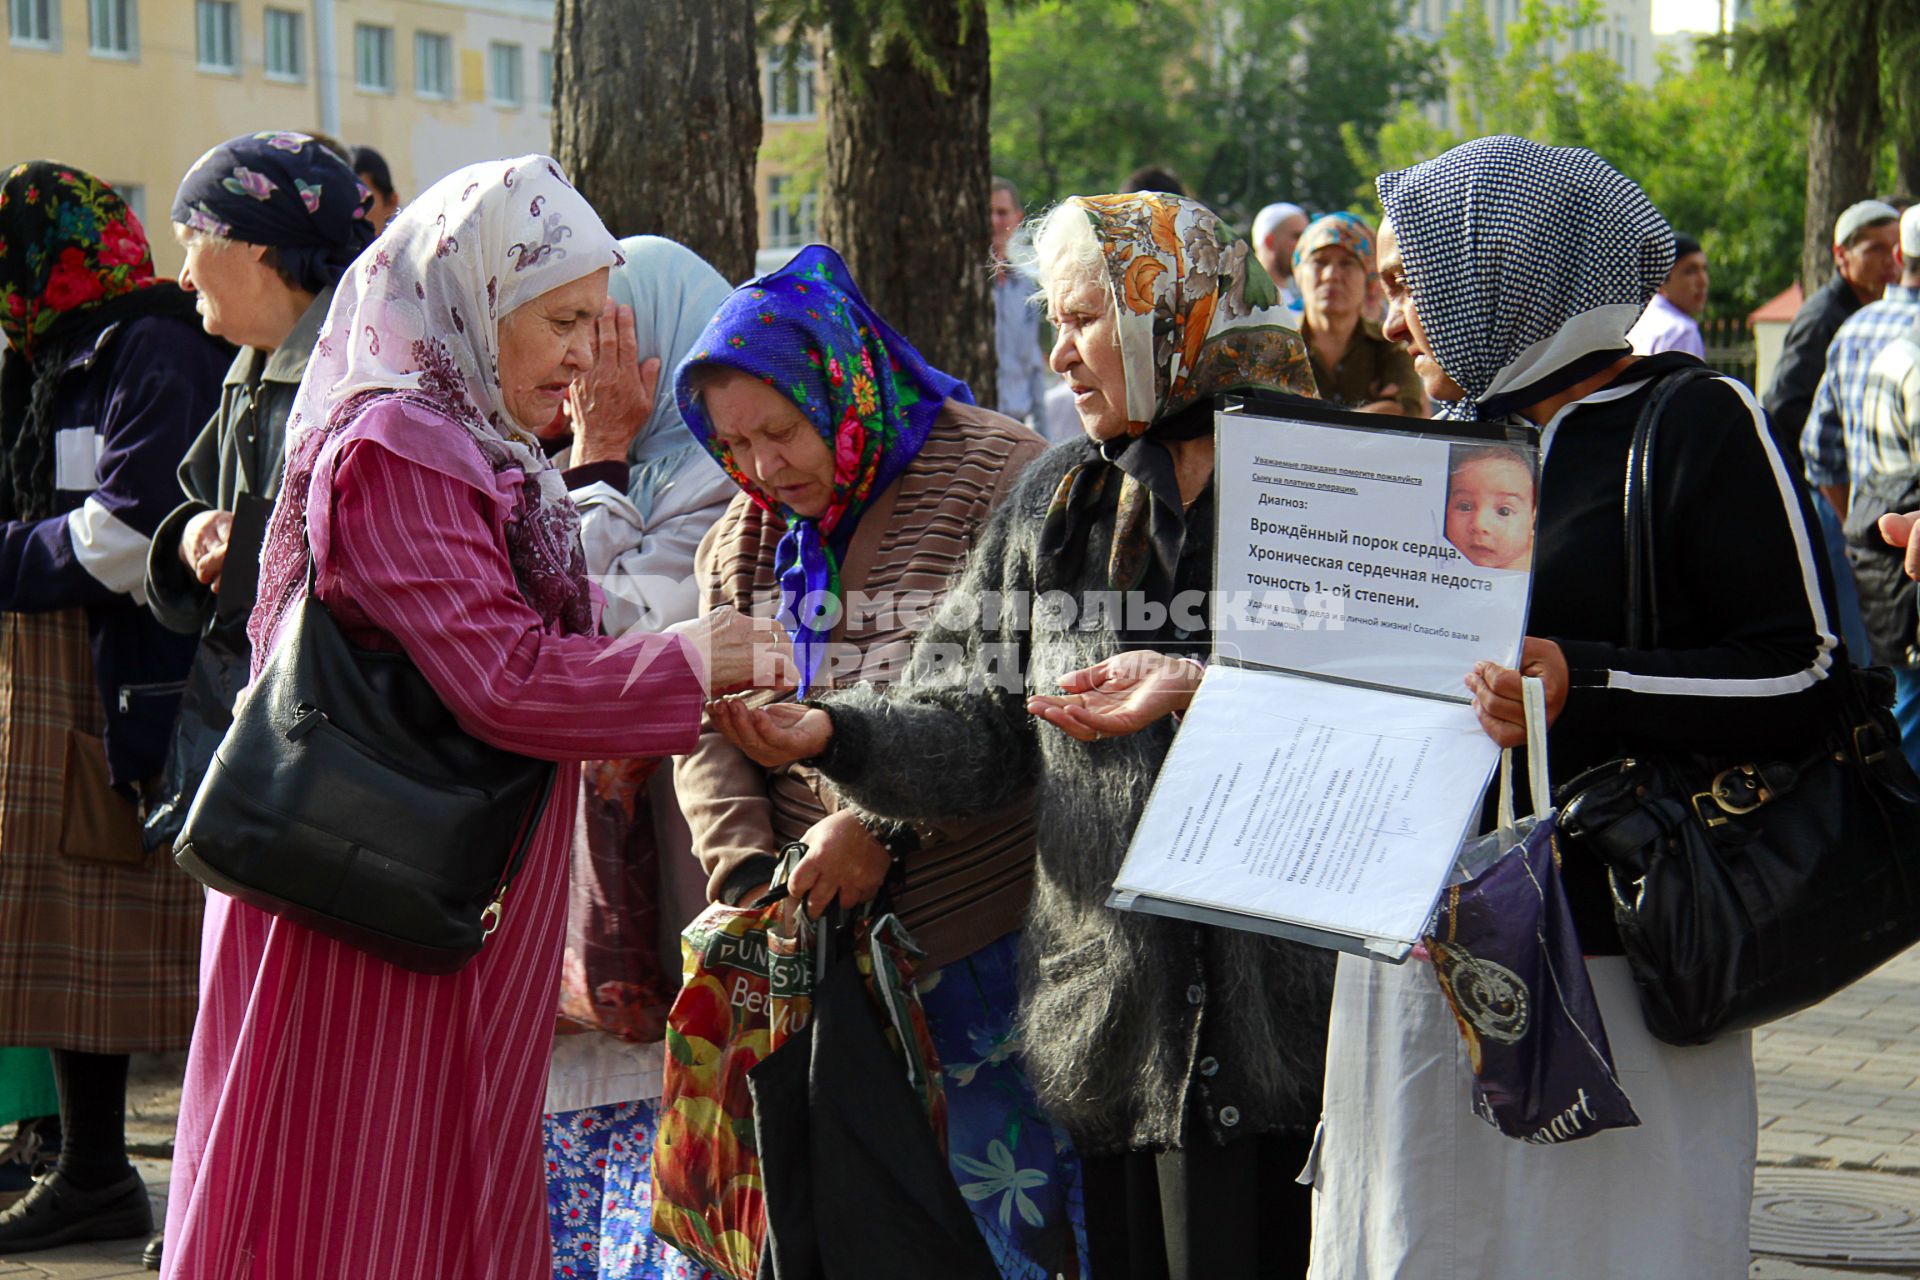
point(968, 884)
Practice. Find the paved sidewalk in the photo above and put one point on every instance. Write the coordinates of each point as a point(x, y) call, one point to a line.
point(1840, 1091)
point(1839, 1141)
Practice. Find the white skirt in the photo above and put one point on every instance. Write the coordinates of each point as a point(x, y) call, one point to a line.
point(1410, 1185)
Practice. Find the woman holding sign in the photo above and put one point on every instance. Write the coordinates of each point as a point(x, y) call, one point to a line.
point(1184, 1060)
point(1405, 1175)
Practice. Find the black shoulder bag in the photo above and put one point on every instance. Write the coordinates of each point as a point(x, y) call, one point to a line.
point(346, 798)
point(1746, 890)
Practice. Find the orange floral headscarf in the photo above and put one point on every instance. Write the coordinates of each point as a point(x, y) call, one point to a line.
point(1189, 308)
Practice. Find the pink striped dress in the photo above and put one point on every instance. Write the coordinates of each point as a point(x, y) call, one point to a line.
point(344, 1118)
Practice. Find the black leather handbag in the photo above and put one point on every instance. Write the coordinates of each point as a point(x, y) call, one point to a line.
point(347, 799)
point(1748, 889)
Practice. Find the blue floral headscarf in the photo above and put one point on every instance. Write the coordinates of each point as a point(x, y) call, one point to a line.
point(805, 331)
point(286, 191)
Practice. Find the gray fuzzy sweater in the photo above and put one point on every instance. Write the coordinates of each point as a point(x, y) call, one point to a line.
point(1139, 1032)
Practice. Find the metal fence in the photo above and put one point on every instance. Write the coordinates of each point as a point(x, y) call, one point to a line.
point(1730, 347)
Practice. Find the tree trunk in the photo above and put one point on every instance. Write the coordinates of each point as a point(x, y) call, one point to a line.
point(1906, 167)
point(657, 119)
point(907, 193)
point(1839, 173)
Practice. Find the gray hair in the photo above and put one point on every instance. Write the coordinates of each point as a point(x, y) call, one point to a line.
point(1061, 245)
point(190, 236)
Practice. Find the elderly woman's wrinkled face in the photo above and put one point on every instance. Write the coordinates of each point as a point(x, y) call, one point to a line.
point(771, 440)
point(546, 343)
point(1087, 351)
point(1403, 321)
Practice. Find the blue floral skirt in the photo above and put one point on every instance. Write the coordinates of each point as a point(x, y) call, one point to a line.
point(1017, 1172)
point(600, 1197)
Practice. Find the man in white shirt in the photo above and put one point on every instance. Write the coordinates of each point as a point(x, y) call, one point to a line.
point(1276, 230)
point(1671, 320)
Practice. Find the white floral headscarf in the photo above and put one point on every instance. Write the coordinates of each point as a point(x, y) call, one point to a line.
point(418, 317)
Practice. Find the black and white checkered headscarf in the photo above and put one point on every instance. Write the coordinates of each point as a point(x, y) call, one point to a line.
point(1528, 265)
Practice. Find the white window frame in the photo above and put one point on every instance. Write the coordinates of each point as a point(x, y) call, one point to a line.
point(444, 65)
point(806, 90)
point(543, 79)
point(47, 36)
point(272, 18)
point(503, 54)
point(127, 18)
point(793, 218)
point(365, 34)
point(229, 10)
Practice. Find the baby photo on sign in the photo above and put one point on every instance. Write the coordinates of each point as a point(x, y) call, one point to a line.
point(1490, 501)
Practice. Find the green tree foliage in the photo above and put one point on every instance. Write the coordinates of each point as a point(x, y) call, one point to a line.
point(1244, 99)
point(1709, 147)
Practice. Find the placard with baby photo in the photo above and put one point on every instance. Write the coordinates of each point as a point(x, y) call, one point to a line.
point(1392, 552)
point(1331, 763)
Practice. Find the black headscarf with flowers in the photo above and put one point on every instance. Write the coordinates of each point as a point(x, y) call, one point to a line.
point(73, 260)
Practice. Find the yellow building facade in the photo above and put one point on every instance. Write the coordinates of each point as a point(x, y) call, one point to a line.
point(136, 90)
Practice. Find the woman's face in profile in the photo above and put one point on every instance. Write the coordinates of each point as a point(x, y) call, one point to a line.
point(1403, 321)
point(1087, 352)
point(545, 344)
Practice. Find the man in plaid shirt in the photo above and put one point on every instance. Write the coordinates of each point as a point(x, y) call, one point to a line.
point(1862, 449)
point(1835, 441)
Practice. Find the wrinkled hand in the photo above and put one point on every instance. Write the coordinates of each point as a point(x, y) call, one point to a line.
point(203, 545)
point(1898, 530)
point(740, 650)
point(613, 401)
point(1119, 696)
point(1497, 693)
point(844, 863)
point(776, 736)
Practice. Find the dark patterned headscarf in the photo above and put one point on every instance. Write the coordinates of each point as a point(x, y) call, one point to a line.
point(1192, 325)
point(73, 260)
point(285, 191)
point(1528, 265)
point(806, 332)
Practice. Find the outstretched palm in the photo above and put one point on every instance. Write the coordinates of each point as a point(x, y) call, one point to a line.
point(1119, 696)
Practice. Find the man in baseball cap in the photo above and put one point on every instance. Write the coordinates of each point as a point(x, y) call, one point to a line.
point(1863, 258)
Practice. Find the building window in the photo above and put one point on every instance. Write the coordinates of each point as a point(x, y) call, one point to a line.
point(372, 58)
point(503, 74)
point(433, 65)
point(217, 42)
point(545, 82)
point(284, 45)
point(790, 83)
point(790, 214)
point(110, 27)
point(31, 22)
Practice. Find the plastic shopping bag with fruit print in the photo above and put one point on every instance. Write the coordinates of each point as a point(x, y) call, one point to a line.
point(747, 987)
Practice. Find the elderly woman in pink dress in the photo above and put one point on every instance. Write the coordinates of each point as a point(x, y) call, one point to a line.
point(344, 1117)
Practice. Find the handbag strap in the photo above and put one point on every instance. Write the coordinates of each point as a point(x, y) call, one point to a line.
point(1643, 601)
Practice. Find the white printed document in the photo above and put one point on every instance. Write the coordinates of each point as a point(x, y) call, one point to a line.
point(1331, 763)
